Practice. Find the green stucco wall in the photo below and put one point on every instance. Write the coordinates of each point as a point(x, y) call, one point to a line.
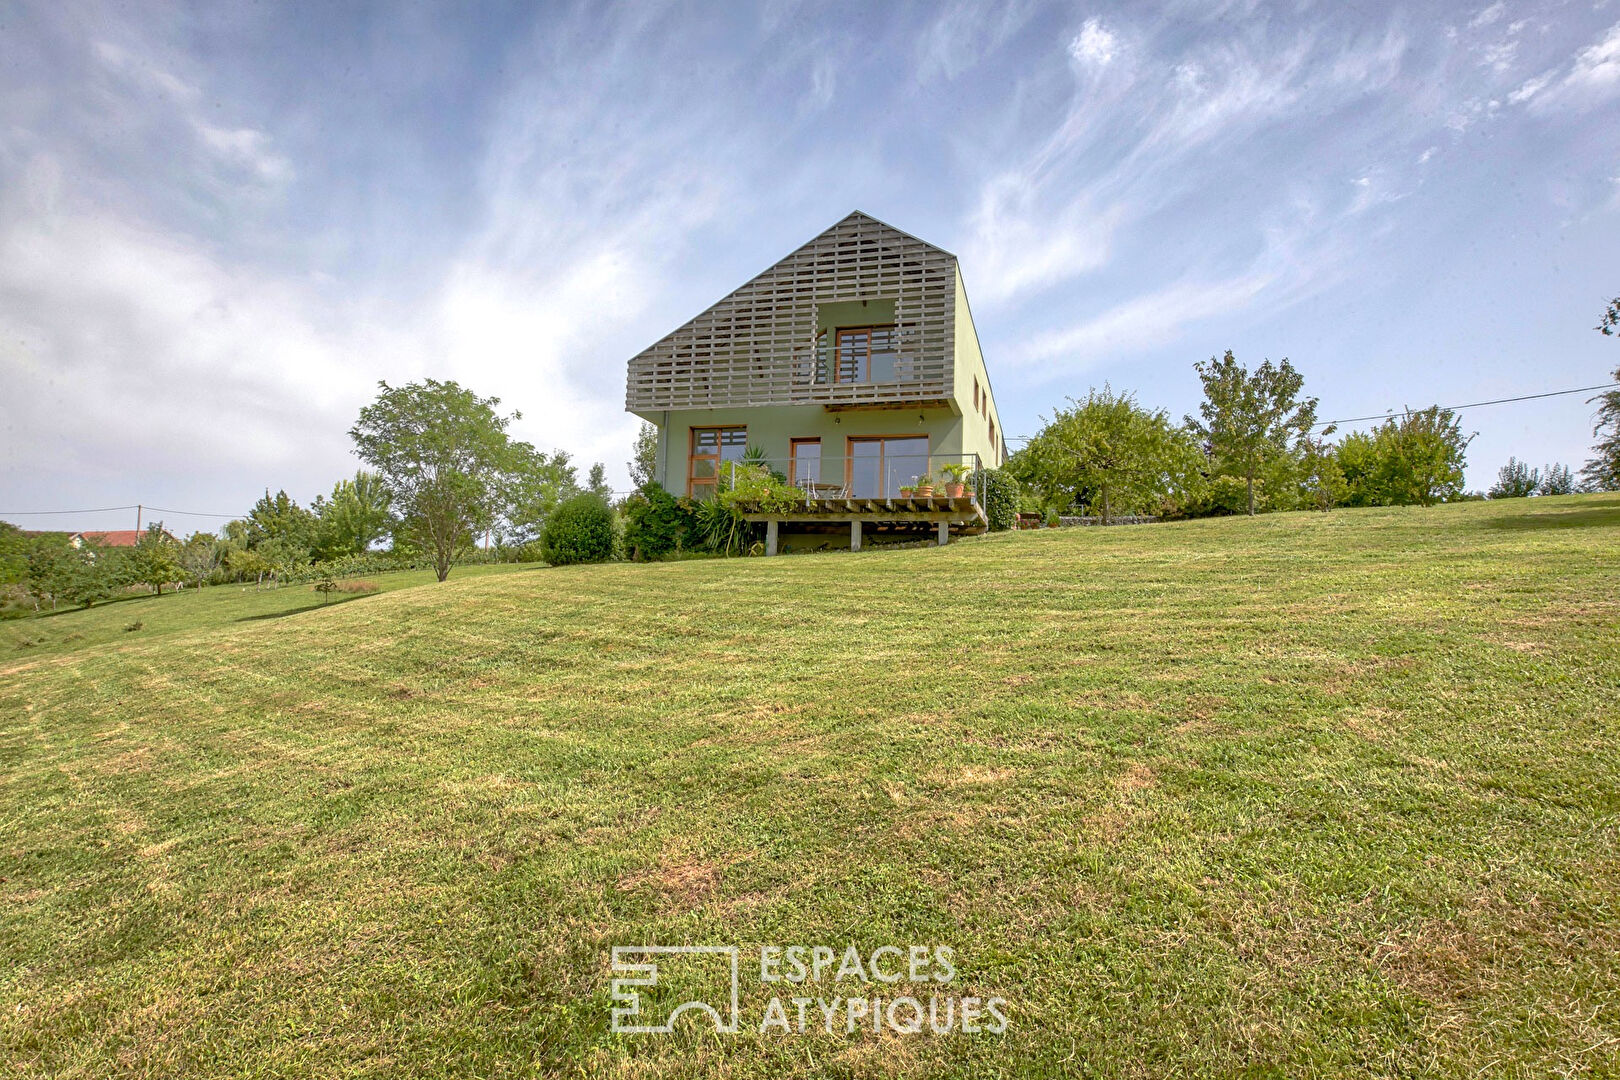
point(970, 365)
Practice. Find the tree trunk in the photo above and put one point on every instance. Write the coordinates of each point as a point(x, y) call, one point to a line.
point(1105, 504)
point(1250, 478)
point(441, 562)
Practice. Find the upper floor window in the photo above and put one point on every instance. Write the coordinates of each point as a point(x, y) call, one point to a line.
point(865, 354)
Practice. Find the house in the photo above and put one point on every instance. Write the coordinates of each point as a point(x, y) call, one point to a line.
point(852, 366)
point(118, 538)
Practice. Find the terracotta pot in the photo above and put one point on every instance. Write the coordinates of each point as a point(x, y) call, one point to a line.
point(906, 493)
point(955, 490)
point(925, 492)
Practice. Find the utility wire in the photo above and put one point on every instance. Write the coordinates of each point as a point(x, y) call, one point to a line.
point(1474, 404)
point(38, 513)
point(111, 509)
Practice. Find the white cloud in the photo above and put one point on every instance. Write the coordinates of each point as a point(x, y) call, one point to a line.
point(1146, 321)
point(1593, 77)
point(1597, 68)
point(1095, 46)
point(1424, 158)
point(1530, 88)
point(1487, 16)
point(964, 33)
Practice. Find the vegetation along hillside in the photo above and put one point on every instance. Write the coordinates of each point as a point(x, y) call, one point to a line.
point(1303, 794)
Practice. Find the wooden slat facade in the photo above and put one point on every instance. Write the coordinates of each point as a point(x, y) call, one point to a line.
point(758, 345)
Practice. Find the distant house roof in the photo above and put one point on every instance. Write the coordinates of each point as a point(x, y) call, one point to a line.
point(114, 538)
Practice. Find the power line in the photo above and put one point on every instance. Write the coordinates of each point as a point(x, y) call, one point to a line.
point(1447, 408)
point(111, 509)
point(40, 513)
point(192, 513)
point(1474, 404)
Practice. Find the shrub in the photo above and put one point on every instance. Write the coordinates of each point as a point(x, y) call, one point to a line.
point(581, 530)
point(1001, 493)
point(655, 523)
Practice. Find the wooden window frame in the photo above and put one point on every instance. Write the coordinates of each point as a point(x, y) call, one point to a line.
point(717, 457)
point(849, 456)
point(793, 457)
point(837, 350)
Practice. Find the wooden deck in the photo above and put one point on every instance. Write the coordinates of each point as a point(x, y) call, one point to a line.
point(962, 514)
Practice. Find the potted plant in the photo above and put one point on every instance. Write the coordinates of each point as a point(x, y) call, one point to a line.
point(1051, 519)
point(957, 472)
point(925, 486)
point(906, 490)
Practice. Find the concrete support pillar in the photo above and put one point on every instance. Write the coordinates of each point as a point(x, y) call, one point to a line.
point(770, 538)
point(944, 533)
point(855, 536)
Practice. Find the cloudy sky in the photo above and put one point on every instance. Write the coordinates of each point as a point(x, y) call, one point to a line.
point(219, 227)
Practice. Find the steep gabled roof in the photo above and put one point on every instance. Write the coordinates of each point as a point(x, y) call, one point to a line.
point(754, 345)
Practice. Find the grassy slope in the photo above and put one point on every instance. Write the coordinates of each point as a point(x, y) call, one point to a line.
point(217, 608)
point(1298, 795)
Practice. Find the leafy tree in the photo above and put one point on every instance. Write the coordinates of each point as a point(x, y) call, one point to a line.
point(278, 517)
point(79, 576)
point(581, 530)
point(445, 458)
point(1109, 453)
point(597, 484)
point(1602, 472)
point(154, 560)
point(1322, 481)
point(537, 484)
point(201, 555)
point(1556, 479)
point(1251, 421)
point(1515, 480)
point(354, 518)
point(644, 463)
point(1610, 323)
point(1415, 458)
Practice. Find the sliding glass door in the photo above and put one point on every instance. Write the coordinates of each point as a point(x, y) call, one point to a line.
point(879, 466)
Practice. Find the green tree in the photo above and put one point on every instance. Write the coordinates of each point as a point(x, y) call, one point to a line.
point(1515, 480)
point(201, 555)
point(154, 560)
point(1109, 454)
point(1556, 479)
point(75, 575)
point(644, 462)
point(596, 483)
point(445, 458)
point(1602, 472)
point(354, 518)
point(277, 517)
point(1416, 458)
point(1251, 422)
point(536, 485)
point(1322, 481)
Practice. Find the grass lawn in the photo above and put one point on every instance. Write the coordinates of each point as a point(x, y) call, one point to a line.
point(1294, 796)
point(217, 608)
